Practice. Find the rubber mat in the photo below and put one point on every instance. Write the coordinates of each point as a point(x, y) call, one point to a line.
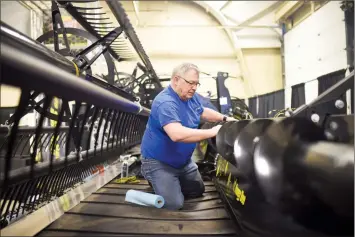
point(120, 197)
point(115, 189)
point(203, 204)
point(79, 233)
point(105, 213)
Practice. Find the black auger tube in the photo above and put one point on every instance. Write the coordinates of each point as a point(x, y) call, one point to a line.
point(326, 169)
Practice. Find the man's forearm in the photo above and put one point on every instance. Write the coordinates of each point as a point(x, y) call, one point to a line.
point(212, 116)
point(195, 135)
point(179, 133)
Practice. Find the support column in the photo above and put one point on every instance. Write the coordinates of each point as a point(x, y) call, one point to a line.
point(348, 8)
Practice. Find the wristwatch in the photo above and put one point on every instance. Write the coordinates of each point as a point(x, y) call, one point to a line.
point(224, 118)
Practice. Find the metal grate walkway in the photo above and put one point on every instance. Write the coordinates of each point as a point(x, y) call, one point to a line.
point(105, 213)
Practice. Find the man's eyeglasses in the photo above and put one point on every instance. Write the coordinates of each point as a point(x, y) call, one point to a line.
point(197, 84)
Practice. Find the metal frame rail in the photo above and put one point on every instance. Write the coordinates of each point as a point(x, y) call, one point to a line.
point(103, 126)
point(333, 93)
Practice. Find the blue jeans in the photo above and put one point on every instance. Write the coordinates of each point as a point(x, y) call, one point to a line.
point(174, 185)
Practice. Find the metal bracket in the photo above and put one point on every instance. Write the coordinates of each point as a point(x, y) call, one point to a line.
point(314, 109)
point(224, 99)
point(140, 106)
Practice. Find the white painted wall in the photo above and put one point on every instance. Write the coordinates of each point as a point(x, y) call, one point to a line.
point(313, 48)
point(29, 23)
point(17, 16)
point(265, 70)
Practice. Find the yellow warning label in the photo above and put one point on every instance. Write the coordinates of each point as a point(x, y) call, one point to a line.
point(219, 167)
point(223, 169)
point(226, 167)
point(38, 154)
point(54, 110)
point(229, 179)
point(240, 195)
point(64, 202)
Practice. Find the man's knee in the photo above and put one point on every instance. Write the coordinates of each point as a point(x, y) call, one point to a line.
point(195, 189)
point(164, 183)
point(174, 203)
point(200, 188)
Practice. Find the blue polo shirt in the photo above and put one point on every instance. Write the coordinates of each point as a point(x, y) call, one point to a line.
point(167, 107)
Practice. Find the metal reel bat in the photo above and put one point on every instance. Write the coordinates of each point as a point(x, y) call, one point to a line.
point(72, 52)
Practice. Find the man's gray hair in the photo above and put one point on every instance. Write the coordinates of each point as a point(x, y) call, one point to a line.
point(181, 69)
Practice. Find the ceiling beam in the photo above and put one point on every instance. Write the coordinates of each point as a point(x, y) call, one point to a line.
point(233, 27)
point(238, 25)
point(136, 10)
point(230, 19)
point(226, 4)
point(260, 14)
point(286, 10)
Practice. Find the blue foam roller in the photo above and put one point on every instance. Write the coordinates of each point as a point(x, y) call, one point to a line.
point(145, 199)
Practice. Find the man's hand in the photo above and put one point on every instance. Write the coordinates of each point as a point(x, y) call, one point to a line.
point(231, 119)
point(215, 129)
